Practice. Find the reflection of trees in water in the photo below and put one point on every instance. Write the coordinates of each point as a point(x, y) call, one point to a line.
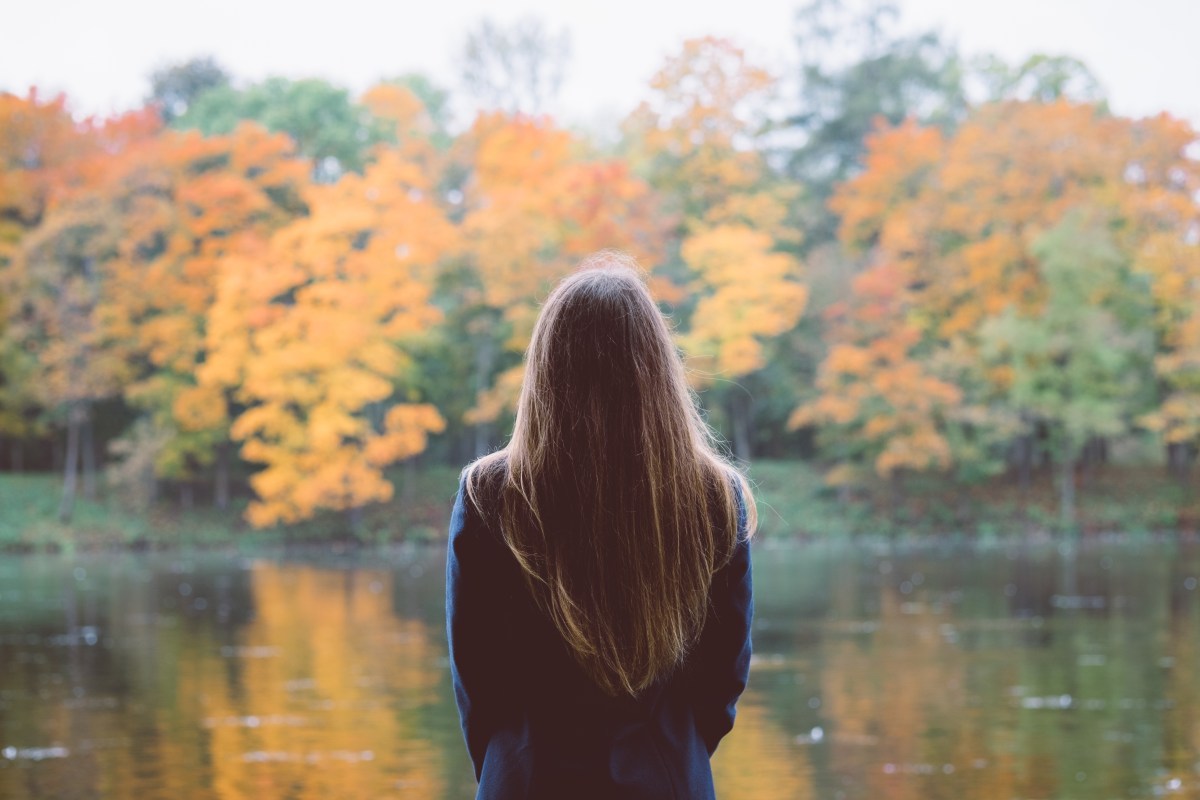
point(1181, 729)
point(210, 680)
point(324, 697)
point(282, 680)
point(759, 760)
point(947, 695)
point(895, 697)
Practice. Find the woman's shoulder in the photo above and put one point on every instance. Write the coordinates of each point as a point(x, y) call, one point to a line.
point(475, 530)
point(479, 491)
point(482, 479)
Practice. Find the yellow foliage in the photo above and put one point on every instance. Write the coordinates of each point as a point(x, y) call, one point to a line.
point(694, 135)
point(406, 430)
point(400, 106)
point(312, 339)
point(501, 395)
point(842, 475)
point(749, 293)
point(849, 359)
point(951, 223)
point(198, 408)
point(536, 205)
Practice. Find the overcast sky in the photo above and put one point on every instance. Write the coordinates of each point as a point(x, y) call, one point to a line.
point(1146, 53)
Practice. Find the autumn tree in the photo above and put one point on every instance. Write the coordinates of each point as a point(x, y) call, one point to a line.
point(1165, 215)
point(694, 139)
point(1177, 417)
point(1082, 361)
point(311, 336)
point(61, 272)
point(886, 401)
point(185, 203)
point(435, 111)
point(39, 144)
point(535, 202)
point(858, 66)
point(959, 219)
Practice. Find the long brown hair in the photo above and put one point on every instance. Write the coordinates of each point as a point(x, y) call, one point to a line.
point(612, 494)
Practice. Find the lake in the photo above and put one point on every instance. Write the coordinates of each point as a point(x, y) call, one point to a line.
point(922, 672)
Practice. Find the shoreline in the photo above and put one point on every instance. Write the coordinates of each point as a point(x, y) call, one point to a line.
point(794, 505)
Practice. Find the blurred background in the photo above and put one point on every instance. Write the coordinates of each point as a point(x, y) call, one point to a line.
point(267, 274)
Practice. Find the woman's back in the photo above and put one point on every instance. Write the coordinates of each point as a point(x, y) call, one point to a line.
point(598, 580)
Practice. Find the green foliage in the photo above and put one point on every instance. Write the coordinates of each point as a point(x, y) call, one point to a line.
point(322, 119)
point(934, 334)
point(1041, 78)
point(1082, 364)
point(793, 500)
point(420, 512)
point(857, 67)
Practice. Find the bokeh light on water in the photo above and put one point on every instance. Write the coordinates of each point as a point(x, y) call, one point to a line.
point(928, 673)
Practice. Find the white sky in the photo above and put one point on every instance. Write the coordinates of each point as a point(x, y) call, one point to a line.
point(1146, 53)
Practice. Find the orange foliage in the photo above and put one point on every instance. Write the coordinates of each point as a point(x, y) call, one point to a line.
point(874, 384)
point(536, 204)
point(306, 715)
point(62, 269)
point(311, 336)
point(950, 223)
point(188, 202)
point(694, 135)
point(751, 295)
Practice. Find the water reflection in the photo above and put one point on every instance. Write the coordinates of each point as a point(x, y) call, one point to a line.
point(1031, 673)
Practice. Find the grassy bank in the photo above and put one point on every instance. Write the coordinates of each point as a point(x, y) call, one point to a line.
point(29, 521)
point(792, 501)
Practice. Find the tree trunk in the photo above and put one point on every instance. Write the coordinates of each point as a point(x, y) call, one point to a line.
point(896, 500)
point(187, 497)
point(354, 517)
point(221, 489)
point(88, 449)
point(18, 457)
point(1066, 488)
point(740, 415)
point(1024, 464)
point(66, 506)
point(483, 438)
point(1179, 460)
point(485, 361)
point(1095, 455)
point(408, 488)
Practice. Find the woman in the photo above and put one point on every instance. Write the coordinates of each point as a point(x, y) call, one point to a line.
point(598, 590)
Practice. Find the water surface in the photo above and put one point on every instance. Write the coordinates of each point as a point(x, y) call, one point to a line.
point(1035, 672)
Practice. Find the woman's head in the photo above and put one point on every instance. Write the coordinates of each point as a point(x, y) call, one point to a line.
point(613, 498)
point(602, 375)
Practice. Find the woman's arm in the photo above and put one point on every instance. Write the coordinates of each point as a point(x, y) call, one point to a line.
point(474, 626)
point(720, 665)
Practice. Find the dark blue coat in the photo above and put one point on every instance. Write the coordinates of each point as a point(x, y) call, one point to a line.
point(537, 727)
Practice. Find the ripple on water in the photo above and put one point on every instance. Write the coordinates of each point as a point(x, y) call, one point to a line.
point(255, 721)
point(283, 756)
point(250, 651)
point(34, 753)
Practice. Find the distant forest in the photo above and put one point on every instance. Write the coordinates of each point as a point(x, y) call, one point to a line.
point(914, 263)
